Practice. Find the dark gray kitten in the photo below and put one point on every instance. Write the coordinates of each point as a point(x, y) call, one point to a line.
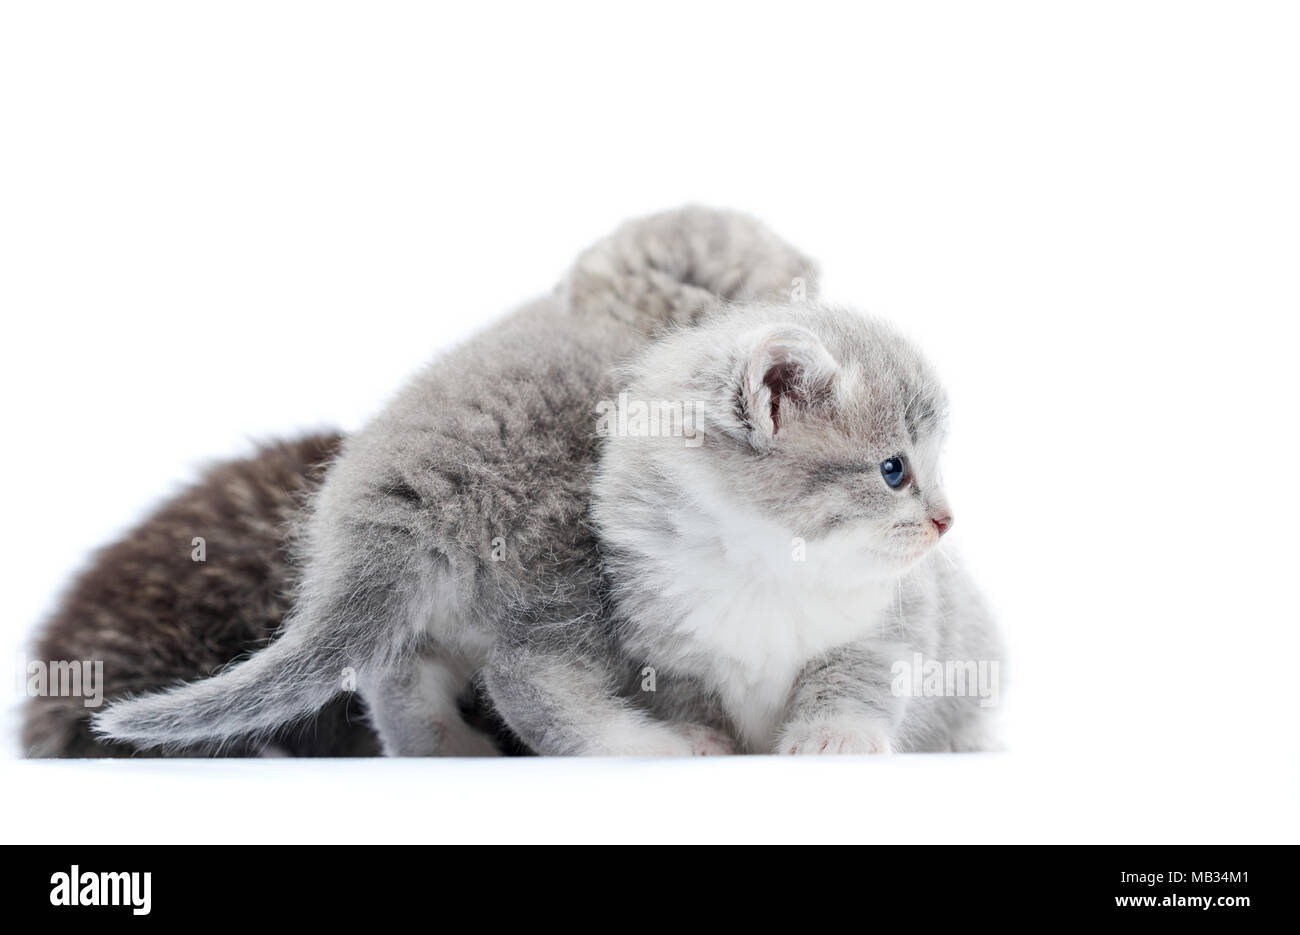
point(154, 616)
point(451, 535)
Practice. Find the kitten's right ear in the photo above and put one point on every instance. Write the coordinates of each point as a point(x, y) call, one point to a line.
point(787, 371)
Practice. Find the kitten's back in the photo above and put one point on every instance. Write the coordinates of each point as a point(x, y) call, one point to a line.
point(154, 615)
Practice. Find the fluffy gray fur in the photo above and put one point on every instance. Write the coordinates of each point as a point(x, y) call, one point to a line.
point(764, 571)
point(452, 536)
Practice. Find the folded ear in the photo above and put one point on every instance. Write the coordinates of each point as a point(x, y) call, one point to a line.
point(787, 372)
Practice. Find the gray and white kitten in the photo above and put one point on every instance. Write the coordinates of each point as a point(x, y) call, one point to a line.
point(451, 535)
point(772, 562)
point(770, 566)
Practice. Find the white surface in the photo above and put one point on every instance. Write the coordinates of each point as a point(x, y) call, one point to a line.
point(224, 222)
point(942, 799)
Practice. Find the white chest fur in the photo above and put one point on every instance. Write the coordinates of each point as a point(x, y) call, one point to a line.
point(754, 605)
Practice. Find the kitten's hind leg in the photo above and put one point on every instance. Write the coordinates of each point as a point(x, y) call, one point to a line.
point(977, 734)
point(413, 706)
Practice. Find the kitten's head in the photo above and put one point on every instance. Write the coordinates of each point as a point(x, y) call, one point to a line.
point(809, 417)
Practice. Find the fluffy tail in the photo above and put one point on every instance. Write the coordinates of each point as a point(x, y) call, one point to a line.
point(289, 679)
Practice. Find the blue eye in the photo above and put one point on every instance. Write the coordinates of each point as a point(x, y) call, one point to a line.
point(894, 471)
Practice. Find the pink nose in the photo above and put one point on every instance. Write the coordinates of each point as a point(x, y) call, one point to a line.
point(942, 523)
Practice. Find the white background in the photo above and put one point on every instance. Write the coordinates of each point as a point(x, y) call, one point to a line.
point(228, 221)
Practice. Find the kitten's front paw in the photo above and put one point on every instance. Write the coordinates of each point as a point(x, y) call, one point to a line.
point(834, 736)
point(705, 741)
point(663, 740)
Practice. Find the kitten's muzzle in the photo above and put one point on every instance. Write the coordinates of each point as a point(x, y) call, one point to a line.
point(942, 522)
